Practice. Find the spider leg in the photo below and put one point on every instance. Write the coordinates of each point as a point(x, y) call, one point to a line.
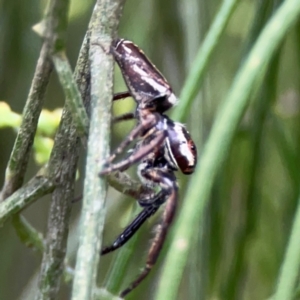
point(151, 199)
point(121, 96)
point(135, 132)
point(151, 205)
point(131, 229)
point(136, 156)
point(167, 181)
point(127, 116)
point(124, 117)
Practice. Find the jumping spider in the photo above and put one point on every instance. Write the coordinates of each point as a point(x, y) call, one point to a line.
point(163, 147)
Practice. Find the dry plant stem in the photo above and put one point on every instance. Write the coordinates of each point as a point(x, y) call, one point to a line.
point(37, 187)
point(62, 167)
point(20, 154)
point(64, 156)
point(64, 161)
point(104, 24)
point(18, 161)
point(53, 29)
point(73, 97)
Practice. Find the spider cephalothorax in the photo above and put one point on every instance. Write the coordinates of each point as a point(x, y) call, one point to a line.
point(162, 146)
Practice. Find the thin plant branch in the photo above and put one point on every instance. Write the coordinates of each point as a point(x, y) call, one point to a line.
point(62, 166)
point(53, 29)
point(72, 94)
point(37, 187)
point(104, 23)
point(66, 142)
point(15, 171)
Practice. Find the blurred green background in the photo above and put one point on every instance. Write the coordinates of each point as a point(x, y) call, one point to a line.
point(239, 246)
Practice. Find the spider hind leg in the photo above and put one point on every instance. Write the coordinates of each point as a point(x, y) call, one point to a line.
point(167, 182)
point(131, 229)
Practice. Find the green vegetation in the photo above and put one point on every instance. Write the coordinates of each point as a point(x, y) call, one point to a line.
point(235, 66)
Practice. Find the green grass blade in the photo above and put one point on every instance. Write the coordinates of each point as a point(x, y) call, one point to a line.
point(194, 80)
point(250, 74)
point(290, 268)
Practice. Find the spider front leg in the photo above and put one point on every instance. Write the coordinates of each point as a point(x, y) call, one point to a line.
point(135, 132)
point(126, 116)
point(121, 95)
point(144, 150)
point(168, 183)
point(136, 156)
